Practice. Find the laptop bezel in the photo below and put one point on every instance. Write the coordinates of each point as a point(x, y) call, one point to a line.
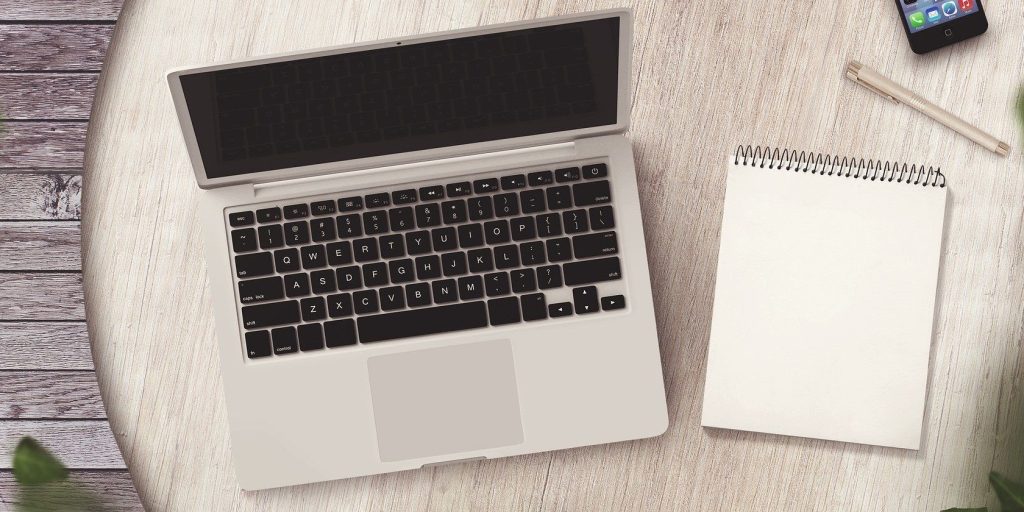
point(622, 110)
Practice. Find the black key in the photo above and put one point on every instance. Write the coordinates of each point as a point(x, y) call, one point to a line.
point(285, 340)
point(470, 288)
point(268, 215)
point(377, 200)
point(271, 236)
point(534, 307)
point(567, 174)
point(445, 291)
point(506, 205)
point(322, 230)
point(392, 246)
point(503, 311)
point(471, 235)
point(338, 333)
point(428, 215)
point(532, 201)
point(365, 302)
point(401, 218)
point(597, 244)
point(392, 298)
point(287, 260)
point(575, 221)
point(296, 285)
point(417, 242)
point(559, 197)
point(595, 171)
point(296, 233)
point(243, 240)
point(421, 322)
point(313, 309)
point(549, 224)
point(531, 253)
point(401, 271)
point(428, 267)
point(339, 305)
point(462, 188)
point(601, 218)
point(523, 280)
point(513, 182)
point(485, 186)
point(270, 314)
point(349, 278)
point(558, 249)
point(404, 196)
point(259, 290)
point(375, 222)
point(453, 263)
point(296, 211)
point(443, 239)
point(322, 207)
point(322, 281)
point(350, 226)
point(453, 212)
point(311, 337)
point(314, 256)
point(506, 256)
point(417, 295)
point(496, 232)
point(595, 192)
point(560, 309)
point(348, 204)
point(480, 208)
point(339, 253)
point(254, 265)
point(237, 219)
point(375, 274)
point(613, 302)
point(522, 228)
point(592, 271)
point(257, 344)
point(549, 277)
point(541, 178)
point(497, 284)
point(365, 249)
point(480, 260)
point(432, 193)
point(584, 300)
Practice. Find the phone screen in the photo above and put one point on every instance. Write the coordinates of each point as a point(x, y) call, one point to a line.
point(924, 14)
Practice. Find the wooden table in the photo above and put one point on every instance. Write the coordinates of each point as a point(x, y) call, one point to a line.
point(708, 76)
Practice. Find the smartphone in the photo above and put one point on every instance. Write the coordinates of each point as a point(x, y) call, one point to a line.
point(932, 24)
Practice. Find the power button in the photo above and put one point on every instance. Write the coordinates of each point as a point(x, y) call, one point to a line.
point(949, 32)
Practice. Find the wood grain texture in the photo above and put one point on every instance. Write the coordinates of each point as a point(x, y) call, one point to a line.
point(46, 95)
point(31, 394)
point(707, 77)
point(38, 196)
point(53, 47)
point(59, 10)
point(42, 144)
point(41, 296)
point(42, 245)
point(79, 444)
point(113, 487)
point(45, 346)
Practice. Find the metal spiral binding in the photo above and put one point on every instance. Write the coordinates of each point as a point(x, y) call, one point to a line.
point(845, 167)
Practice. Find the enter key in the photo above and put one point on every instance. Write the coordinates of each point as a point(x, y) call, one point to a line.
point(596, 244)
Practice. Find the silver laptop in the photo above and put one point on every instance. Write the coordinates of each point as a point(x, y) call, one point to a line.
point(425, 250)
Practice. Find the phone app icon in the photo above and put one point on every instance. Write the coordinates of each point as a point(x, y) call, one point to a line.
point(933, 15)
point(916, 19)
point(966, 5)
point(949, 9)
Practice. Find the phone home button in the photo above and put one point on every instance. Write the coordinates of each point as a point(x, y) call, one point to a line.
point(949, 32)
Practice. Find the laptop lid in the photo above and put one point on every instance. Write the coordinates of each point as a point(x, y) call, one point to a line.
point(405, 100)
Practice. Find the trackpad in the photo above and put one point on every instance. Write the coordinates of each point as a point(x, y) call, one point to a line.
point(445, 400)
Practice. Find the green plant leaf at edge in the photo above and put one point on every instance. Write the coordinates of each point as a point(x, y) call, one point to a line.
point(1010, 493)
point(33, 464)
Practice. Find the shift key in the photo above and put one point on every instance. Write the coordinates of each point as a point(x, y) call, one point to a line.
point(268, 315)
point(592, 271)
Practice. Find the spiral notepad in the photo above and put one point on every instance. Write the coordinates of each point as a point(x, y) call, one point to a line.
point(825, 297)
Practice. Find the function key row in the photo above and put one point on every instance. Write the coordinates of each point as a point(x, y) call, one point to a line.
point(407, 196)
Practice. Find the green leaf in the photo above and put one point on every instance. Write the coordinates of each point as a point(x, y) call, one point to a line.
point(1020, 107)
point(1010, 493)
point(34, 465)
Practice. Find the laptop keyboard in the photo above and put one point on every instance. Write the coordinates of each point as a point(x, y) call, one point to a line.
point(414, 262)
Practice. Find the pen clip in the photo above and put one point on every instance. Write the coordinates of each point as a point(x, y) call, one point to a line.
point(877, 90)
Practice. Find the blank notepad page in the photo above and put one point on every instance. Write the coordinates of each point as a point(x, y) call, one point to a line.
point(824, 305)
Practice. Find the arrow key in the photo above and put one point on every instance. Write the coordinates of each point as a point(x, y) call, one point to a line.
point(584, 300)
point(613, 302)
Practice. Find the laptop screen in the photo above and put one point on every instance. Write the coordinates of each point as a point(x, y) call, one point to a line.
point(410, 97)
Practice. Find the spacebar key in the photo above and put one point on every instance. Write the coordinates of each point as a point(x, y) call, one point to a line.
point(420, 322)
